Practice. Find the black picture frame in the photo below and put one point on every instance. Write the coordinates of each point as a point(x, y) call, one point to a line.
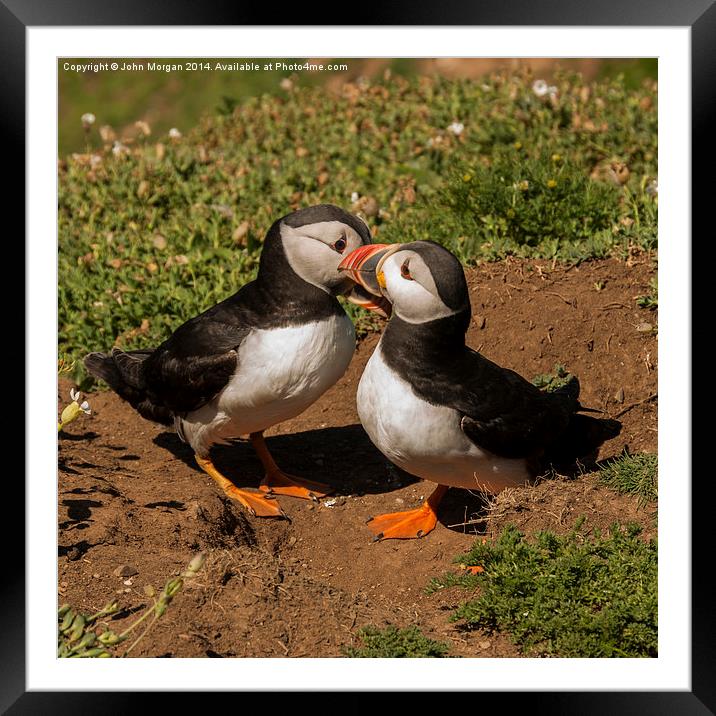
point(699, 15)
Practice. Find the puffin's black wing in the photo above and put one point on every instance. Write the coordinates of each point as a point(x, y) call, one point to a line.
point(501, 411)
point(197, 361)
point(506, 414)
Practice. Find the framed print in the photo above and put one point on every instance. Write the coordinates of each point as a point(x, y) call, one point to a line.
point(167, 175)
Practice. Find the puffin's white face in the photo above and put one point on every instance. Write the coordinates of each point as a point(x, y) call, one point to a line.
point(407, 282)
point(315, 250)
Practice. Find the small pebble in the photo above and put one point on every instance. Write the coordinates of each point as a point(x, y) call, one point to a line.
point(96, 575)
point(619, 396)
point(645, 328)
point(480, 322)
point(399, 501)
point(127, 582)
point(125, 570)
point(291, 541)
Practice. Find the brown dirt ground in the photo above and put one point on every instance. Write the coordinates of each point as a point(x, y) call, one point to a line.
point(130, 494)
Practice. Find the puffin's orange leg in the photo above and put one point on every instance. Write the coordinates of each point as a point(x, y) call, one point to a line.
point(257, 504)
point(278, 482)
point(410, 524)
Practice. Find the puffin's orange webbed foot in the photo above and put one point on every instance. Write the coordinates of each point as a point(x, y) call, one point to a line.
point(257, 504)
point(280, 483)
point(411, 524)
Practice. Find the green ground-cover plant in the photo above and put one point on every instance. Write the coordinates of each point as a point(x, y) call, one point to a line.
point(394, 643)
point(77, 635)
point(152, 233)
point(651, 299)
point(557, 379)
point(571, 596)
point(633, 475)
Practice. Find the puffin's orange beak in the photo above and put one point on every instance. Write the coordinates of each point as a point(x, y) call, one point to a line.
point(361, 266)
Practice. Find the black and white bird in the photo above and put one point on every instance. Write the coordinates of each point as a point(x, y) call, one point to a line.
point(259, 357)
point(442, 411)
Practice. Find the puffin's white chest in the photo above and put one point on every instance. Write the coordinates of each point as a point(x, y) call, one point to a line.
point(426, 439)
point(280, 373)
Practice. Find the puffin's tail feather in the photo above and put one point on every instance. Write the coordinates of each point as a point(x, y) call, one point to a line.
point(122, 371)
point(582, 438)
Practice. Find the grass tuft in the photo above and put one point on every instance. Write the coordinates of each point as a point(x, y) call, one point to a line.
point(394, 643)
point(568, 596)
point(633, 475)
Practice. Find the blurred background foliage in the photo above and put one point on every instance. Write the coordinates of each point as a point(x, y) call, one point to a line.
point(166, 100)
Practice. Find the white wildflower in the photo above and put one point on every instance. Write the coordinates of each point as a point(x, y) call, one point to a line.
point(88, 119)
point(118, 149)
point(653, 188)
point(456, 128)
point(174, 133)
point(354, 197)
point(540, 88)
point(286, 84)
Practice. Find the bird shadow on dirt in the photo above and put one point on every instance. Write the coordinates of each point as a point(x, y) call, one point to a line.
point(342, 457)
point(345, 459)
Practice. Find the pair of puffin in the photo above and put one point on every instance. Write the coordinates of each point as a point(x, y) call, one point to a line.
point(431, 405)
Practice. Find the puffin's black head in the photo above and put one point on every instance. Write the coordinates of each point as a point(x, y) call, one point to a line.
point(422, 280)
point(313, 241)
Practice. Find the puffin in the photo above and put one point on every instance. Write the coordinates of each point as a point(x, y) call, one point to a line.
point(257, 358)
point(444, 412)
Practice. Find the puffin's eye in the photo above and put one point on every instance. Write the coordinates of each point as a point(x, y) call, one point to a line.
point(405, 271)
point(340, 245)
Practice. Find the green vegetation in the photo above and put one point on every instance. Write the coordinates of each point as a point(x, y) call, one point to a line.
point(396, 643)
point(76, 632)
point(633, 475)
point(549, 382)
point(650, 300)
point(170, 99)
point(569, 596)
point(154, 232)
